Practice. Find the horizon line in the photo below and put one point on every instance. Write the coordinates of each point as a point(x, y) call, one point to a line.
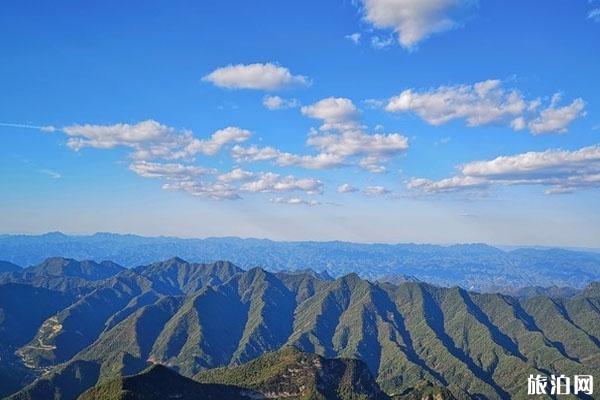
point(504, 247)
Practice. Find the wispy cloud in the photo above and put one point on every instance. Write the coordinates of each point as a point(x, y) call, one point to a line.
point(279, 103)
point(295, 201)
point(354, 37)
point(52, 174)
point(594, 15)
point(43, 128)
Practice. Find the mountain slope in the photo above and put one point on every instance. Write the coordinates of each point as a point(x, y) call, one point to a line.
point(158, 383)
point(472, 344)
point(64, 274)
point(89, 270)
point(23, 309)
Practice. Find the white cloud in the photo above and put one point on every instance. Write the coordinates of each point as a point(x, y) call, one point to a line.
point(341, 139)
point(218, 139)
point(484, 103)
point(412, 20)
point(446, 185)
point(334, 151)
point(266, 76)
point(346, 188)
point(349, 139)
point(52, 174)
point(354, 37)
point(109, 136)
point(214, 191)
point(374, 103)
point(376, 191)
point(373, 164)
point(334, 112)
point(254, 153)
point(295, 201)
point(170, 171)
point(557, 119)
point(560, 170)
point(236, 174)
point(353, 142)
point(379, 43)
point(151, 140)
point(278, 103)
point(518, 124)
point(283, 159)
point(42, 128)
point(272, 182)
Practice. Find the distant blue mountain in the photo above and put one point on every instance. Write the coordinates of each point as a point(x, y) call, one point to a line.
point(473, 266)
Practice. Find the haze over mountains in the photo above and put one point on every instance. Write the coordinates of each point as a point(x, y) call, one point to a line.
point(60, 338)
point(472, 266)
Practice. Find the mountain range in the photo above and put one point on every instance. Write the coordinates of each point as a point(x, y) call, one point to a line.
point(476, 267)
point(60, 340)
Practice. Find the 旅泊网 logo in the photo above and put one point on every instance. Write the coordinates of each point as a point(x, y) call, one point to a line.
point(560, 385)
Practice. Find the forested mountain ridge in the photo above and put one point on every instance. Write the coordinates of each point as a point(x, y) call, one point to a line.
point(194, 317)
point(285, 374)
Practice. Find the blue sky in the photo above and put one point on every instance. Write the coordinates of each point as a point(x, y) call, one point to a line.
point(393, 121)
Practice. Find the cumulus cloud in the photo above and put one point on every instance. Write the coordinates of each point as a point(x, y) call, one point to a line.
point(348, 138)
point(376, 191)
point(218, 139)
point(557, 119)
point(151, 140)
point(446, 185)
point(267, 76)
point(413, 20)
point(278, 103)
point(481, 103)
point(373, 164)
point(272, 182)
point(354, 142)
point(295, 201)
point(486, 102)
point(559, 170)
point(346, 188)
point(109, 136)
point(236, 174)
point(340, 141)
point(170, 171)
point(213, 190)
point(284, 159)
point(335, 113)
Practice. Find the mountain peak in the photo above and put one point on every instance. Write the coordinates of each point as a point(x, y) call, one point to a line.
point(176, 260)
point(68, 267)
point(296, 374)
